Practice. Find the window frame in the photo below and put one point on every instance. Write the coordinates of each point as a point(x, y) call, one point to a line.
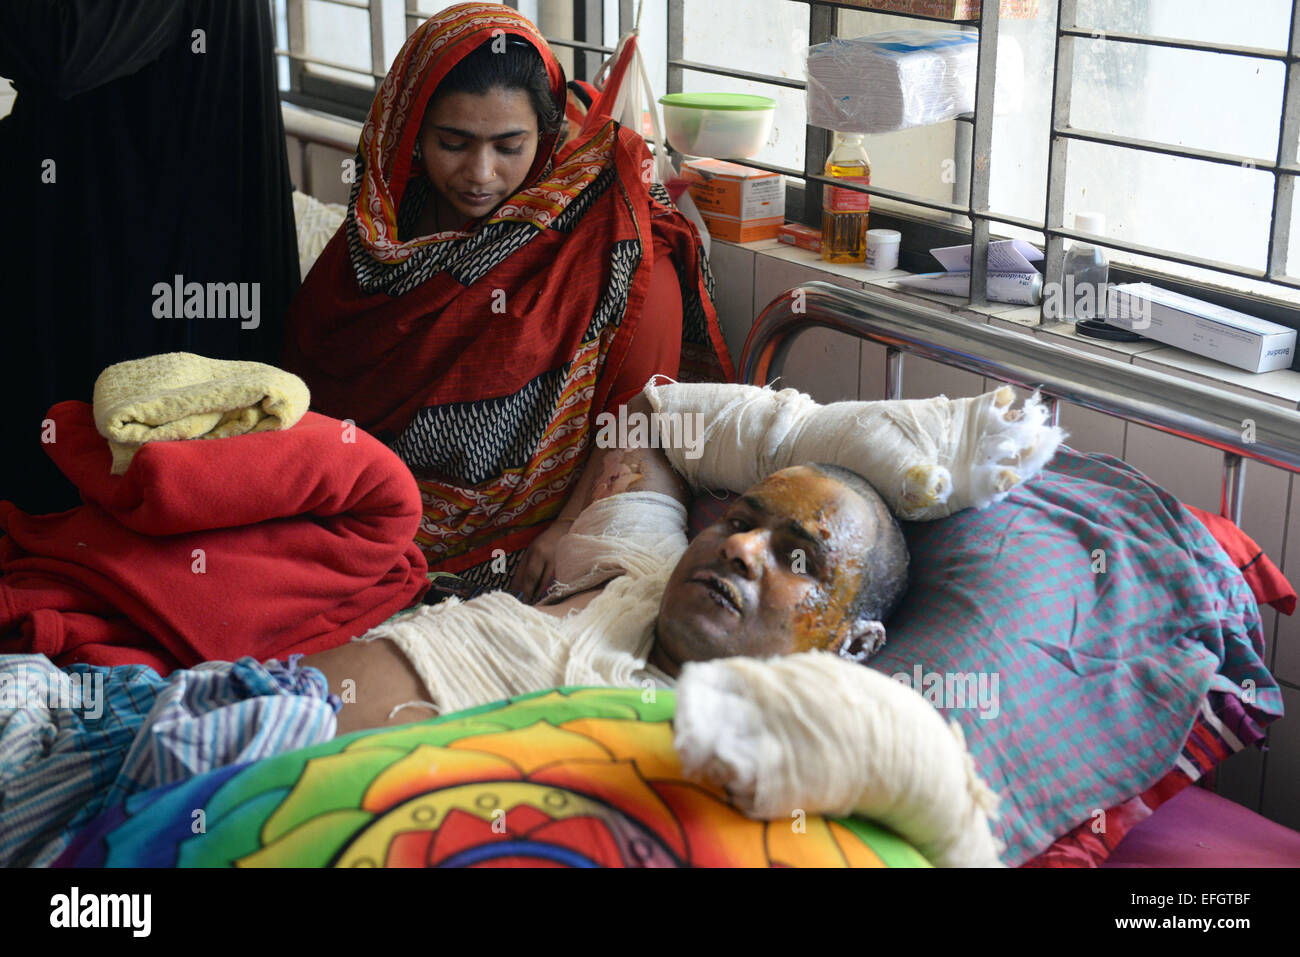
point(920, 234)
point(974, 139)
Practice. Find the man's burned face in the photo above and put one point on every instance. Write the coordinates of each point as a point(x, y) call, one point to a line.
point(777, 575)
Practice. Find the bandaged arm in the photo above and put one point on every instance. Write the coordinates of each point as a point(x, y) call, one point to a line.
point(816, 733)
point(631, 517)
point(927, 457)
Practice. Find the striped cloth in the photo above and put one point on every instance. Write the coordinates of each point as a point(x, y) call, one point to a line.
point(73, 742)
point(1223, 727)
point(1109, 616)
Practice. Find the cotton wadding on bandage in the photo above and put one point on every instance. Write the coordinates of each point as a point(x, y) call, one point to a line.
point(927, 458)
point(633, 532)
point(814, 732)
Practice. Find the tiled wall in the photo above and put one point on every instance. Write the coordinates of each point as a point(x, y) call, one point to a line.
point(832, 366)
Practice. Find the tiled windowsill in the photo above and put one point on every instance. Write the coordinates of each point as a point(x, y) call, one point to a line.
point(1279, 388)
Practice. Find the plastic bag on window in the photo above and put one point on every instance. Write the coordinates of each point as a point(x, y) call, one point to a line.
point(904, 78)
point(625, 76)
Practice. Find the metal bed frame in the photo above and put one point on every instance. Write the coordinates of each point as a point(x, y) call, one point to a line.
point(310, 128)
point(1242, 428)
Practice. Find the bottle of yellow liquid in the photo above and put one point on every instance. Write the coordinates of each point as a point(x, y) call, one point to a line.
point(845, 211)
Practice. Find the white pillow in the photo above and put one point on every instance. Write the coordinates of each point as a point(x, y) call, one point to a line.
point(317, 223)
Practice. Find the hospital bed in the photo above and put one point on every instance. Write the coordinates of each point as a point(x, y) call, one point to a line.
point(1196, 827)
point(370, 798)
point(588, 777)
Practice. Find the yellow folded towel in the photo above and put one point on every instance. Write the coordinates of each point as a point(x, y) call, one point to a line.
point(180, 395)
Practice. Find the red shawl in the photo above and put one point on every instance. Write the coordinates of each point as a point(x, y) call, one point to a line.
point(483, 356)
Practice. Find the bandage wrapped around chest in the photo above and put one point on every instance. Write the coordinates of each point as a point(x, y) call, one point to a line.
point(927, 458)
point(494, 646)
point(816, 733)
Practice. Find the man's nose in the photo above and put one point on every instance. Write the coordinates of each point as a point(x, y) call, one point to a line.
point(745, 550)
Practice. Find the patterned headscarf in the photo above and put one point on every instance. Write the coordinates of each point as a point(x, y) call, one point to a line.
point(393, 127)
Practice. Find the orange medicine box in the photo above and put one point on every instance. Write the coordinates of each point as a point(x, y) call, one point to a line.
point(738, 203)
point(797, 234)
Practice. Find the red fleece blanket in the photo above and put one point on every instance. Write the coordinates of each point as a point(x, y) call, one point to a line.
point(1264, 578)
point(263, 545)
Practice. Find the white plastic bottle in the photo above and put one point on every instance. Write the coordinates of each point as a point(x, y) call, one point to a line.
point(1085, 273)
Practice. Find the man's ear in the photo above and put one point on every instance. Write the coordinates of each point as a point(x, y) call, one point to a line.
point(862, 641)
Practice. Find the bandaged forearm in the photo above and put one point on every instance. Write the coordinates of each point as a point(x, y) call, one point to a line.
point(816, 733)
point(630, 532)
point(927, 458)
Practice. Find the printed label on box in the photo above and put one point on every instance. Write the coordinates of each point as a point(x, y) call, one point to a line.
point(726, 189)
point(1204, 328)
point(760, 197)
point(805, 237)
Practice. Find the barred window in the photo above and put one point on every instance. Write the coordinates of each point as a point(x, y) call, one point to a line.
point(1176, 119)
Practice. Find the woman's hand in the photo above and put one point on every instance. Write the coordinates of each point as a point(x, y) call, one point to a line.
point(533, 576)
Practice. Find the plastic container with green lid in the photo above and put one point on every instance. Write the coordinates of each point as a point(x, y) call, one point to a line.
point(723, 125)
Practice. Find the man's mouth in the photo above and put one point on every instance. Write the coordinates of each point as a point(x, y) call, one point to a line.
point(720, 590)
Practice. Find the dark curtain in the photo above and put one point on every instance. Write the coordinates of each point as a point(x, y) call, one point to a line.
point(167, 157)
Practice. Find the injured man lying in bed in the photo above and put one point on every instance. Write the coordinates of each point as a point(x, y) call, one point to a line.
point(760, 624)
point(809, 559)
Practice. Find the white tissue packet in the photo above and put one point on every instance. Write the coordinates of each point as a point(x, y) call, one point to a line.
point(904, 78)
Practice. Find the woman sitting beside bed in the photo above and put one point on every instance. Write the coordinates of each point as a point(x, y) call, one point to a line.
point(490, 293)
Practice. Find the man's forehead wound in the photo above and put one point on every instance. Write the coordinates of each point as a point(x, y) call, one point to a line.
point(843, 525)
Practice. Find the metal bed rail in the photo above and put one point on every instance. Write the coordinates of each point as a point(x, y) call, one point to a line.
point(1242, 428)
point(310, 128)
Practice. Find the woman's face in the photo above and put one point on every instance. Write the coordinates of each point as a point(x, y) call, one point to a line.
point(478, 147)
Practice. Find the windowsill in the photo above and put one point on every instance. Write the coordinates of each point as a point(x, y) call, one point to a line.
point(1279, 388)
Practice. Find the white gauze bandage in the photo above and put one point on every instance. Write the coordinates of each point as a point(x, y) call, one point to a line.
point(927, 458)
point(629, 533)
point(816, 733)
point(470, 653)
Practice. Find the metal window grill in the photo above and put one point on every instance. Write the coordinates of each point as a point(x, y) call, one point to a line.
point(1283, 166)
point(975, 134)
point(295, 49)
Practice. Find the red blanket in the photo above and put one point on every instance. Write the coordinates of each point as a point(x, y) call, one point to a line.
point(263, 545)
point(1264, 578)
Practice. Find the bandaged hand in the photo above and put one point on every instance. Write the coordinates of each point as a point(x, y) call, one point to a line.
point(816, 733)
point(927, 458)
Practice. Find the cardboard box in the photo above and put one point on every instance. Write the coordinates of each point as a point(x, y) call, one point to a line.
point(948, 9)
point(738, 203)
point(797, 234)
point(1215, 332)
